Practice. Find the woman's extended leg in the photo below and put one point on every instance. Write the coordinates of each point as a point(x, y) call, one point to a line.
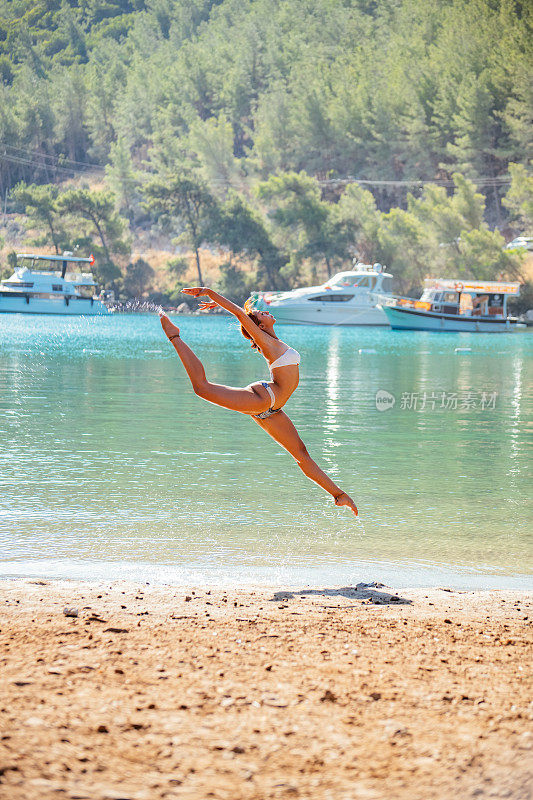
point(247, 400)
point(282, 430)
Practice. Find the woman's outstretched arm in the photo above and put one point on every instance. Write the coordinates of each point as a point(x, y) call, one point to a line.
point(259, 336)
point(219, 299)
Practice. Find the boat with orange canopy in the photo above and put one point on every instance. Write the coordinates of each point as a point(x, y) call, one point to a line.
point(454, 305)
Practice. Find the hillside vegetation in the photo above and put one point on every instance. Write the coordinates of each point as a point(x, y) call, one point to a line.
point(269, 106)
point(401, 89)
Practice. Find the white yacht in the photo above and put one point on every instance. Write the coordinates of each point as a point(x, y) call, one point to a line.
point(44, 285)
point(348, 298)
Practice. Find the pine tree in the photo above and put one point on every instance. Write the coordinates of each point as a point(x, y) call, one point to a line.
point(95, 215)
point(40, 203)
point(305, 223)
point(122, 177)
point(181, 201)
point(519, 198)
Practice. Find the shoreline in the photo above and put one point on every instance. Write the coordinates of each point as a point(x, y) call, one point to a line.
point(158, 691)
point(178, 576)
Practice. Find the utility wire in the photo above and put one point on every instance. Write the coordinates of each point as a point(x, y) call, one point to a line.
point(39, 165)
point(82, 167)
point(95, 169)
point(497, 181)
point(60, 160)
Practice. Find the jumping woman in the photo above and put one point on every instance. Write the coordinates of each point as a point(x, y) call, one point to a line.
point(263, 401)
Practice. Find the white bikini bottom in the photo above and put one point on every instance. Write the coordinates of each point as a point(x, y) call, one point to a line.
point(267, 414)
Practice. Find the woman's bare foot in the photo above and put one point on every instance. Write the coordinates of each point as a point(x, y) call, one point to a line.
point(168, 326)
point(345, 500)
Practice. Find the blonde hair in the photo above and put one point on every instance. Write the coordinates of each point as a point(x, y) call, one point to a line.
point(249, 309)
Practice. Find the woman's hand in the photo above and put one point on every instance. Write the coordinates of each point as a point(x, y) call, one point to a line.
point(196, 291)
point(207, 306)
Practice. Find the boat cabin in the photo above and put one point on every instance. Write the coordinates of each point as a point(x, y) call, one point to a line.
point(364, 276)
point(468, 298)
point(39, 274)
point(50, 284)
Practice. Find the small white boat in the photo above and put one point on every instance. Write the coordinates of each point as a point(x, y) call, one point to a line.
point(348, 298)
point(448, 305)
point(43, 285)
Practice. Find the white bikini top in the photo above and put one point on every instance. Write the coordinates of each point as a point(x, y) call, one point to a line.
point(286, 359)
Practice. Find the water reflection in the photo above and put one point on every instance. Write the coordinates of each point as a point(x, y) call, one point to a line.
point(515, 415)
point(332, 384)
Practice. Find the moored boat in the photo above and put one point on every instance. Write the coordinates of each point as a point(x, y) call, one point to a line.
point(43, 284)
point(348, 298)
point(449, 305)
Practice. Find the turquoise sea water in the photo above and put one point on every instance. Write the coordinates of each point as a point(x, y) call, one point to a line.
point(111, 467)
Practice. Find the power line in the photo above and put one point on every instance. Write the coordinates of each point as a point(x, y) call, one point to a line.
point(58, 165)
point(482, 181)
point(39, 165)
point(58, 169)
point(59, 160)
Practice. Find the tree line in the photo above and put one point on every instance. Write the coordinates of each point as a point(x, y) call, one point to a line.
point(282, 233)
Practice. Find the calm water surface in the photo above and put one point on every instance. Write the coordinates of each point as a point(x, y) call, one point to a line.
point(110, 466)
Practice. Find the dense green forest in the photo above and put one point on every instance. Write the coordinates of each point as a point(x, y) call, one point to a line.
point(379, 90)
point(270, 107)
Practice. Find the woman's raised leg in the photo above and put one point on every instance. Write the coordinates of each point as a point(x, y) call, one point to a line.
point(282, 430)
point(247, 400)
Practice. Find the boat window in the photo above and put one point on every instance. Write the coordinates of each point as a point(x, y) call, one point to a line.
point(361, 281)
point(17, 285)
point(367, 282)
point(85, 291)
point(386, 284)
point(48, 296)
point(343, 280)
point(331, 298)
point(57, 287)
point(496, 304)
point(451, 297)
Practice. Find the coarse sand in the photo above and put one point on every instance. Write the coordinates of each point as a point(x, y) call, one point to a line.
point(140, 692)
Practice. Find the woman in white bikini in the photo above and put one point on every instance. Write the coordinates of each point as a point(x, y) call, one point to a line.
point(262, 400)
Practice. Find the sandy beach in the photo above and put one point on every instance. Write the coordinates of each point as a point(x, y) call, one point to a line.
point(152, 692)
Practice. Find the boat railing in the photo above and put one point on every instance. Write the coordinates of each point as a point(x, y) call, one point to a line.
point(427, 305)
point(405, 302)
